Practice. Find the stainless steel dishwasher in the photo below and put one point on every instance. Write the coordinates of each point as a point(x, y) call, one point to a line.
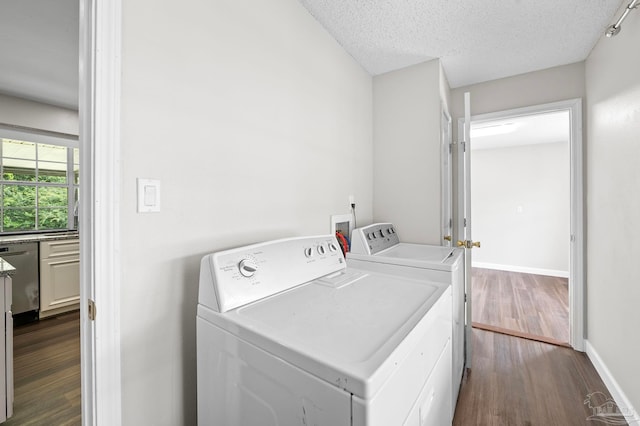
point(26, 288)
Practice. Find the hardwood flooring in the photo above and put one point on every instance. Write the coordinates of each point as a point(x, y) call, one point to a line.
point(47, 372)
point(533, 306)
point(518, 382)
point(512, 382)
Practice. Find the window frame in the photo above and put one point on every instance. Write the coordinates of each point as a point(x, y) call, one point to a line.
point(70, 142)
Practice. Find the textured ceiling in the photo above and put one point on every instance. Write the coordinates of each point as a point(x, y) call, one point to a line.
point(477, 40)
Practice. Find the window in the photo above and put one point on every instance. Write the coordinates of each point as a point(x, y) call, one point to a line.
point(39, 186)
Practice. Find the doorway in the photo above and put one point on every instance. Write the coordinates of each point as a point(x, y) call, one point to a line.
point(520, 190)
point(569, 266)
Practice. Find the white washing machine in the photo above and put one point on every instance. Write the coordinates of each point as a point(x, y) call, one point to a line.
point(288, 335)
point(377, 247)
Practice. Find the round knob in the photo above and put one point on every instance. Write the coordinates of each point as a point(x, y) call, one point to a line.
point(332, 247)
point(382, 233)
point(247, 267)
point(370, 236)
point(321, 249)
point(308, 252)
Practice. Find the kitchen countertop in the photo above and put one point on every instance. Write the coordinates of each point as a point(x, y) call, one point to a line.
point(6, 268)
point(34, 238)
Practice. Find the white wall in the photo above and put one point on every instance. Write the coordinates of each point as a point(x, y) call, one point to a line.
point(259, 126)
point(534, 88)
point(35, 115)
point(406, 132)
point(520, 197)
point(613, 204)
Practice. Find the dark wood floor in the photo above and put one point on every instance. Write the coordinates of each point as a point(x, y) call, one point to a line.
point(528, 304)
point(515, 381)
point(47, 372)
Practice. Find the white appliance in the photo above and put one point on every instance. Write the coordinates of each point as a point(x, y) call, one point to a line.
point(288, 335)
point(377, 247)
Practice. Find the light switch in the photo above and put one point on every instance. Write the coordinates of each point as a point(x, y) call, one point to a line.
point(148, 195)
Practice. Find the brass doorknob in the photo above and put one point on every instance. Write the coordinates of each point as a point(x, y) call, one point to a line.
point(447, 238)
point(469, 244)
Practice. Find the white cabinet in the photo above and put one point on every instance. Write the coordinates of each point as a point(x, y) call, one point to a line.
point(6, 343)
point(59, 276)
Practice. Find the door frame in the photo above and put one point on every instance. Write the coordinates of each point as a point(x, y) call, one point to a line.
point(446, 178)
point(576, 258)
point(99, 224)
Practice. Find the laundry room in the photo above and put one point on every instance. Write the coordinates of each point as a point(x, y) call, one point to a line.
point(210, 126)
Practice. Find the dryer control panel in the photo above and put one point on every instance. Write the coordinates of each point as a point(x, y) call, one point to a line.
point(374, 238)
point(233, 278)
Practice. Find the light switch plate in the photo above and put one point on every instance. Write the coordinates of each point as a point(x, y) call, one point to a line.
point(148, 195)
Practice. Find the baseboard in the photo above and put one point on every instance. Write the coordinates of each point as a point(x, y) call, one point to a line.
point(521, 269)
point(623, 403)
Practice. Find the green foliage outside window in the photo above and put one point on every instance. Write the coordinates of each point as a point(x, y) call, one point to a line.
point(20, 208)
point(35, 194)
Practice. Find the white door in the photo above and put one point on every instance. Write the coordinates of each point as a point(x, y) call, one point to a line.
point(446, 231)
point(464, 218)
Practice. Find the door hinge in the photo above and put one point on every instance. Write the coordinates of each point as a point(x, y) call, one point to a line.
point(465, 298)
point(464, 146)
point(92, 310)
point(465, 221)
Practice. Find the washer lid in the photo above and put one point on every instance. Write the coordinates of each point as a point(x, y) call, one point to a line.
point(342, 328)
point(414, 255)
point(423, 252)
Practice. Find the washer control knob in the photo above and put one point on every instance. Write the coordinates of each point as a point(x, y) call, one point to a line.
point(333, 247)
point(381, 233)
point(370, 235)
point(321, 249)
point(247, 267)
point(308, 252)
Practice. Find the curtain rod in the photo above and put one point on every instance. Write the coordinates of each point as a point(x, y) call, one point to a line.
point(615, 28)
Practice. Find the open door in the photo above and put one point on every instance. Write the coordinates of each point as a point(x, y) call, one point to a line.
point(446, 227)
point(464, 218)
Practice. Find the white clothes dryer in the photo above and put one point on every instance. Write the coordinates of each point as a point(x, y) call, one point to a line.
point(377, 247)
point(287, 334)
